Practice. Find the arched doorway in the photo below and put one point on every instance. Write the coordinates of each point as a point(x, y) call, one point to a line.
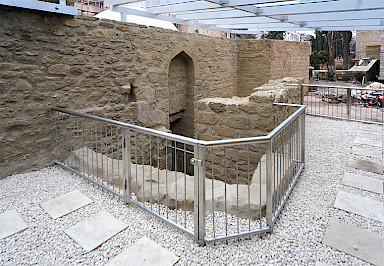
point(181, 80)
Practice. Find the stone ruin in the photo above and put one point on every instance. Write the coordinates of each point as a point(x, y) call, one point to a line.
point(218, 118)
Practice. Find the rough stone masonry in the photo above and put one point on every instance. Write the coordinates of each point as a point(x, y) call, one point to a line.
point(116, 70)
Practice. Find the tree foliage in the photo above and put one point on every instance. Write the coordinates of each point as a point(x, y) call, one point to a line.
point(318, 58)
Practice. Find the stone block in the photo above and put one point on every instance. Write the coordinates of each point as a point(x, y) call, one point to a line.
point(94, 231)
point(225, 131)
point(363, 182)
point(66, 203)
point(363, 206)
point(144, 252)
point(365, 165)
point(207, 118)
point(238, 122)
point(74, 60)
point(59, 69)
point(355, 241)
point(217, 107)
point(106, 24)
point(262, 96)
point(11, 223)
point(71, 22)
point(100, 33)
point(24, 86)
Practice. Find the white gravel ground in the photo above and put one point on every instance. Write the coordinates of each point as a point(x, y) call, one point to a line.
point(296, 239)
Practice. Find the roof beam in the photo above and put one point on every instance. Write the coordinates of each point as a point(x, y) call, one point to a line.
point(285, 10)
point(40, 5)
point(130, 11)
point(322, 7)
point(334, 16)
point(245, 20)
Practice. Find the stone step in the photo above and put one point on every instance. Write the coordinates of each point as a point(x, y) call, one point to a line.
point(366, 207)
point(363, 182)
point(144, 252)
point(94, 231)
point(371, 134)
point(375, 128)
point(11, 223)
point(66, 203)
point(368, 152)
point(360, 243)
point(364, 140)
point(365, 165)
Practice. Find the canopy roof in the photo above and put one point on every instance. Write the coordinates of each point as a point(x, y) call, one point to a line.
point(253, 16)
point(245, 16)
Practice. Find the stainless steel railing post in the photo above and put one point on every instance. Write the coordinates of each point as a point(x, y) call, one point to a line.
point(127, 166)
point(302, 137)
point(349, 100)
point(269, 171)
point(199, 194)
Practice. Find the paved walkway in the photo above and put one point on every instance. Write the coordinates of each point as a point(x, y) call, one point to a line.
point(93, 231)
point(367, 157)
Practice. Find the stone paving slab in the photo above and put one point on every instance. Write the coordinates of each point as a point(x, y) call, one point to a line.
point(11, 223)
point(366, 207)
point(368, 152)
point(376, 128)
point(364, 140)
point(144, 252)
point(370, 134)
point(66, 203)
point(94, 231)
point(365, 165)
point(360, 243)
point(363, 182)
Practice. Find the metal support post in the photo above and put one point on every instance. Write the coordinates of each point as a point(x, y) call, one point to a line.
point(349, 99)
point(302, 137)
point(269, 171)
point(127, 165)
point(199, 195)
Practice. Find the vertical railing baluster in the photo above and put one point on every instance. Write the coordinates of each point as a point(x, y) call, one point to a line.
point(127, 165)
point(269, 207)
point(199, 195)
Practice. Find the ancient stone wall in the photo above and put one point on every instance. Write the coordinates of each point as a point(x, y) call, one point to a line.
point(251, 116)
point(368, 39)
point(109, 69)
point(263, 60)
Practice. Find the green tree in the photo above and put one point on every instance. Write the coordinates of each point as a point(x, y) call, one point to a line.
point(318, 58)
point(319, 42)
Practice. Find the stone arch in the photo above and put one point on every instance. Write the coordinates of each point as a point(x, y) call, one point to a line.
point(181, 106)
point(181, 82)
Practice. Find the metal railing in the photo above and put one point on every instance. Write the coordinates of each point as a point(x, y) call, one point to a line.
point(348, 103)
point(212, 190)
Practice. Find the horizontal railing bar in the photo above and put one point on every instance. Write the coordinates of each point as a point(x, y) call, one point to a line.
point(190, 233)
point(364, 121)
point(340, 87)
point(191, 141)
point(150, 131)
point(327, 116)
point(89, 179)
point(222, 238)
point(179, 149)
